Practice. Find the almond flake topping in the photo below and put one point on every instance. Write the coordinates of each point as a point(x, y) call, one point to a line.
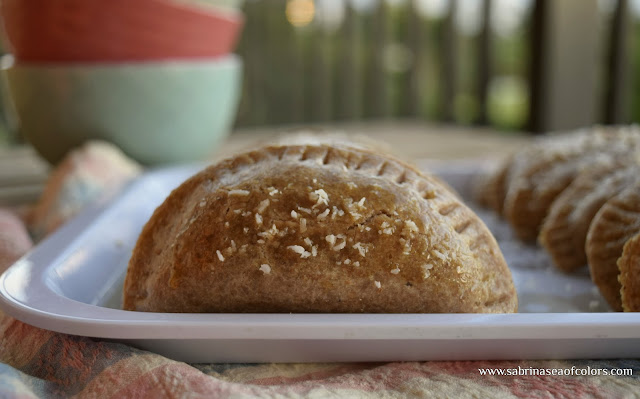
point(258, 219)
point(220, 255)
point(273, 191)
point(239, 192)
point(294, 214)
point(264, 268)
point(407, 248)
point(361, 248)
point(269, 233)
point(377, 284)
point(299, 249)
point(324, 214)
point(352, 208)
point(336, 212)
point(303, 225)
point(331, 239)
point(320, 196)
point(439, 254)
point(340, 246)
point(396, 270)
point(427, 270)
point(409, 225)
point(263, 205)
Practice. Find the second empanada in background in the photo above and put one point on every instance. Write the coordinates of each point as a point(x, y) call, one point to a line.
point(615, 223)
point(629, 278)
point(564, 231)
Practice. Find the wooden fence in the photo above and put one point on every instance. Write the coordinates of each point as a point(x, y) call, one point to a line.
point(296, 75)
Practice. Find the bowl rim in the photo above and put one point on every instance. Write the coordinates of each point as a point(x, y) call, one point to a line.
point(233, 14)
point(231, 60)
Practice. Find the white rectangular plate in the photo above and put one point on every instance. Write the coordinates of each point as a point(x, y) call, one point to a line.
point(72, 283)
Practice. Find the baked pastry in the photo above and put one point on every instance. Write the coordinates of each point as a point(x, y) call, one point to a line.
point(629, 278)
point(541, 151)
point(86, 174)
point(564, 231)
point(615, 223)
point(537, 177)
point(490, 190)
point(316, 228)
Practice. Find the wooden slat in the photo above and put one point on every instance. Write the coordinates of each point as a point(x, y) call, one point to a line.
point(280, 65)
point(537, 42)
point(254, 104)
point(448, 50)
point(297, 97)
point(484, 62)
point(321, 76)
point(617, 71)
point(416, 44)
point(272, 16)
point(377, 93)
point(564, 89)
point(349, 91)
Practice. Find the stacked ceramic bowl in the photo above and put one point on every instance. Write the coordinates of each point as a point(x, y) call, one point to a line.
point(155, 77)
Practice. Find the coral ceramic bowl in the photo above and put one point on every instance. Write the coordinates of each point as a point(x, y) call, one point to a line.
point(117, 30)
point(156, 112)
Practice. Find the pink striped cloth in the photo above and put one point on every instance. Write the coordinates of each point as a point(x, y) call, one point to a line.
point(40, 363)
point(36, 363)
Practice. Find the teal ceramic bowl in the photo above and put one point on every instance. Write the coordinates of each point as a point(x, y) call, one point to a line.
point(229, 4)
point(156, 112)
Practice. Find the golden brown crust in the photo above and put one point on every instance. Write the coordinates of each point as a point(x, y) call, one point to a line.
point(540, 175)
point(316, 228)
point(535, 158)
point(629, 278)
point(564, 231)
point(490, 189)
point(616, 222)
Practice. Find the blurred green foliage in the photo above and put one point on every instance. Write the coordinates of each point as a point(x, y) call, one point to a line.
point(365, 68)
